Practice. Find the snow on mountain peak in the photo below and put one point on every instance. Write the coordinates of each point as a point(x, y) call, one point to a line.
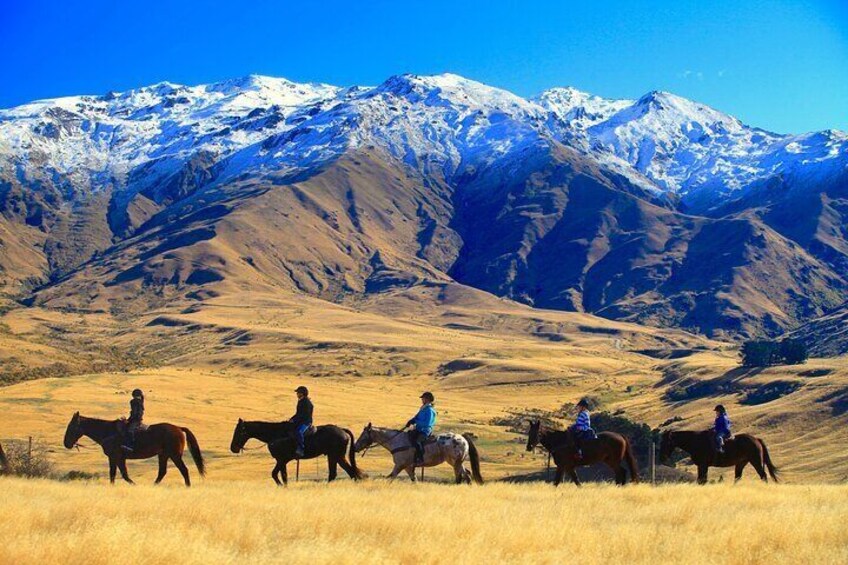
point(261, 123)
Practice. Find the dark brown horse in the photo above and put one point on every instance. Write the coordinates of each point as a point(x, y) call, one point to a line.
point(163, 440)
point(328, 440)
point(738, 452)
point(609, 448)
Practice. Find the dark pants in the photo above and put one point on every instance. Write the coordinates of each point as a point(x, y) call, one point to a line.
point(300, 435)
point(581, 436)
point(417, 440)
point(129, 434)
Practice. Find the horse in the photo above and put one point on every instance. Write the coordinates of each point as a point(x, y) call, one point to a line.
point(448, 448)
point(738, 452)
point(609, 448)
point(163, 440)
point(328, 440)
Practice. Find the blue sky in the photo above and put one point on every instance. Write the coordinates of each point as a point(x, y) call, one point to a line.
point(781, 65)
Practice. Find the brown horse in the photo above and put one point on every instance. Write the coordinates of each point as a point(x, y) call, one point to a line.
point(328, 440)
point(163, 440)
point(609, 448)
point(738, 452)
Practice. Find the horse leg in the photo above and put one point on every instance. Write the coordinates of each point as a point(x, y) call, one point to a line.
point(560, 473)
point(572, 472)
point(178, 461)
point(346, 467)
point(113, 469)
point(275, 474)
point(620, 475)
point(333, 464)
point(702, 474)
point(458, 472)
point(284, 471)
point(396, 471)
point(758, 466)
point(163, 467)
point(739, 468)
point(122, 467)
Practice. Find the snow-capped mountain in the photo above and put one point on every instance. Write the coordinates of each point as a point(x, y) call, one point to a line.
point(565, 200)
point(137, 139)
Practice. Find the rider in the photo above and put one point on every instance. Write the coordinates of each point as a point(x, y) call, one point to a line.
point(582, 428)
point(302, 419)
point(423, 422)
point(135, 419)
point(721, 429)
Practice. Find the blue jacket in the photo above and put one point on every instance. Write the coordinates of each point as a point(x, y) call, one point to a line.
point(584, 423)
point(722, 425)
point(424, 420)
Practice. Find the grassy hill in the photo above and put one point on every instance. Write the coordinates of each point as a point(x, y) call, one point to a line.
point(488, 361)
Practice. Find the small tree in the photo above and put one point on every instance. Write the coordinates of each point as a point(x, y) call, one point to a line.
point(793, 351)
point(759, 353)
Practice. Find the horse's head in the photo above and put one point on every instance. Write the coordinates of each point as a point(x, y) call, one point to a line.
point(240, 437)
point(74, 431)
point(533, 434)
point(666, 445)
point(366, 438)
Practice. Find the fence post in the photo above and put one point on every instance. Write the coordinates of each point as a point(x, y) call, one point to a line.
point(297, 471)
point(29, 452)
point(653, 463)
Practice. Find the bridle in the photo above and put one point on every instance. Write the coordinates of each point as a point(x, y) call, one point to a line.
point(372, 442)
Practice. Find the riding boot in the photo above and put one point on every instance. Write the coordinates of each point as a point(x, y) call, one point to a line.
point(129, 442)
point(419, 454)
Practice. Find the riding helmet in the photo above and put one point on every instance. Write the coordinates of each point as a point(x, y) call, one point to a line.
point(428, 396)
point(302, 389)
point(720, 409)
point(137, 393)
point(583, 403)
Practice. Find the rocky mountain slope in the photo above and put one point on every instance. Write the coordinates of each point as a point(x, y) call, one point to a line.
point(661, 210)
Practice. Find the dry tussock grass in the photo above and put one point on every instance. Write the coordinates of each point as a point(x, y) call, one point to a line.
point(377, 522)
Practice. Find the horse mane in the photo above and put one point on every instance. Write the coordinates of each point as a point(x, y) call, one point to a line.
point(548, 436)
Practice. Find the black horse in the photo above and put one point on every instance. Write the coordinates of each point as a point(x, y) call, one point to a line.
point(328, 440)
point(609, 448)
point(738, 452)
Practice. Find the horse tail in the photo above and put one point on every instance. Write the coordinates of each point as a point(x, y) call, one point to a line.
point(474, 456)
point(357, 473)
point(194, 448)
point(631, 461)
point(772, 469)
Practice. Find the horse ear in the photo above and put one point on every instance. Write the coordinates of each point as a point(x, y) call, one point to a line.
point(368, 426)
point(241, 421)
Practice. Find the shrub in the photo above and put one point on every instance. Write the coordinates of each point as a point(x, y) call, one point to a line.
point(26, 461)
point(762, 353)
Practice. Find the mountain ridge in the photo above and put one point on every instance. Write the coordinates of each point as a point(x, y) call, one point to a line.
point(413, 163)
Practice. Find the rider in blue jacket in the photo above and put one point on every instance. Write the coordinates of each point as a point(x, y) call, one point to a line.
point(721, 428)
point(424, 422)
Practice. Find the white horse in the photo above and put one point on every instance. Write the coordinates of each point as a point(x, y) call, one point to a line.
point(448, 448)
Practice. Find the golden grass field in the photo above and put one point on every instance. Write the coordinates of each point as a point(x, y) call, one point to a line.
point(378, 522)
point(204, 366)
